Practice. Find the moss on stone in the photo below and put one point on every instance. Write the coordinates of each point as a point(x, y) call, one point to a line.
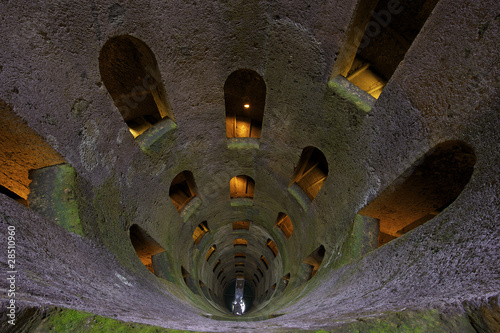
point(67, 320)
point(342, 87)
point(53, 196)
point(153, 139)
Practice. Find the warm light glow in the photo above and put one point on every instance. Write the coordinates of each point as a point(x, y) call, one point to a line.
point(246, 106)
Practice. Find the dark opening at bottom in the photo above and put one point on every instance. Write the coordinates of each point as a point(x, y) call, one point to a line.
point(231, 295)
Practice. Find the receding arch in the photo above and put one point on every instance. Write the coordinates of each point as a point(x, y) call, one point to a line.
point(182, 189)
point(285, 224)
point(422, 191)
point(241, 225)
point(189, 281)
point(217, 263)
point(200, 231)
point(272, 246)
point(283, 283)
point(311, 172)
point(245, 97)
point(313, 261)
point(145, 246)
point(379, 43)
point(21, 150)
point(260, 271)
point(242, 187)
point(211, 251)
point(130, 73)
point(240, 242)
point(264, 261)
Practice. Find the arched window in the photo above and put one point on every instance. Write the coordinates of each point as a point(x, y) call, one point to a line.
point(272, 246)
point(245, 97)
point(21, 150)
point(425, 190)
point(240, 242)
point(241, 225)
point(264, 261)
point(242, 187)
point(200, 231)
point(190, 282)
point(130, 74)
point(311, 172)
point(284, 282)
point(285, 224)
point(145, 246)
point(217, 263)
point(211, 251)
point(388, 35)
point(313, 261)
point(182, 189)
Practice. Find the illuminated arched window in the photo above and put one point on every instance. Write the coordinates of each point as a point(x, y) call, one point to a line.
point(436, 180)
point(217, 263)
point(130, 73)
point(264, 261)
point(388, 34)
point(182, 189)
point(242, 187)
point(311, 172)
point(21, 150)
point(211, 251)
point(240, 242)
point(200, 231)
point(272, 246)
point(145, 246)
point(245, 97)
point(285, 224)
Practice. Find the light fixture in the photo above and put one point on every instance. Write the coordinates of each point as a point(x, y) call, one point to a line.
point(246, 102)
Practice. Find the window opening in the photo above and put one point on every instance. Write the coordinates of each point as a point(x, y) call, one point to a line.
point(285, 224)
point(200, 231)
point(130, 73)
point(182, 189)
point(423, 191)
point(311, 172)
point(313, 261)
point(242, 187)
point(241, 225)
point(145, 246)
point(245, 96)
point(211, 251)
point(388, 36)
point(272, 246)
point(240, 242)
